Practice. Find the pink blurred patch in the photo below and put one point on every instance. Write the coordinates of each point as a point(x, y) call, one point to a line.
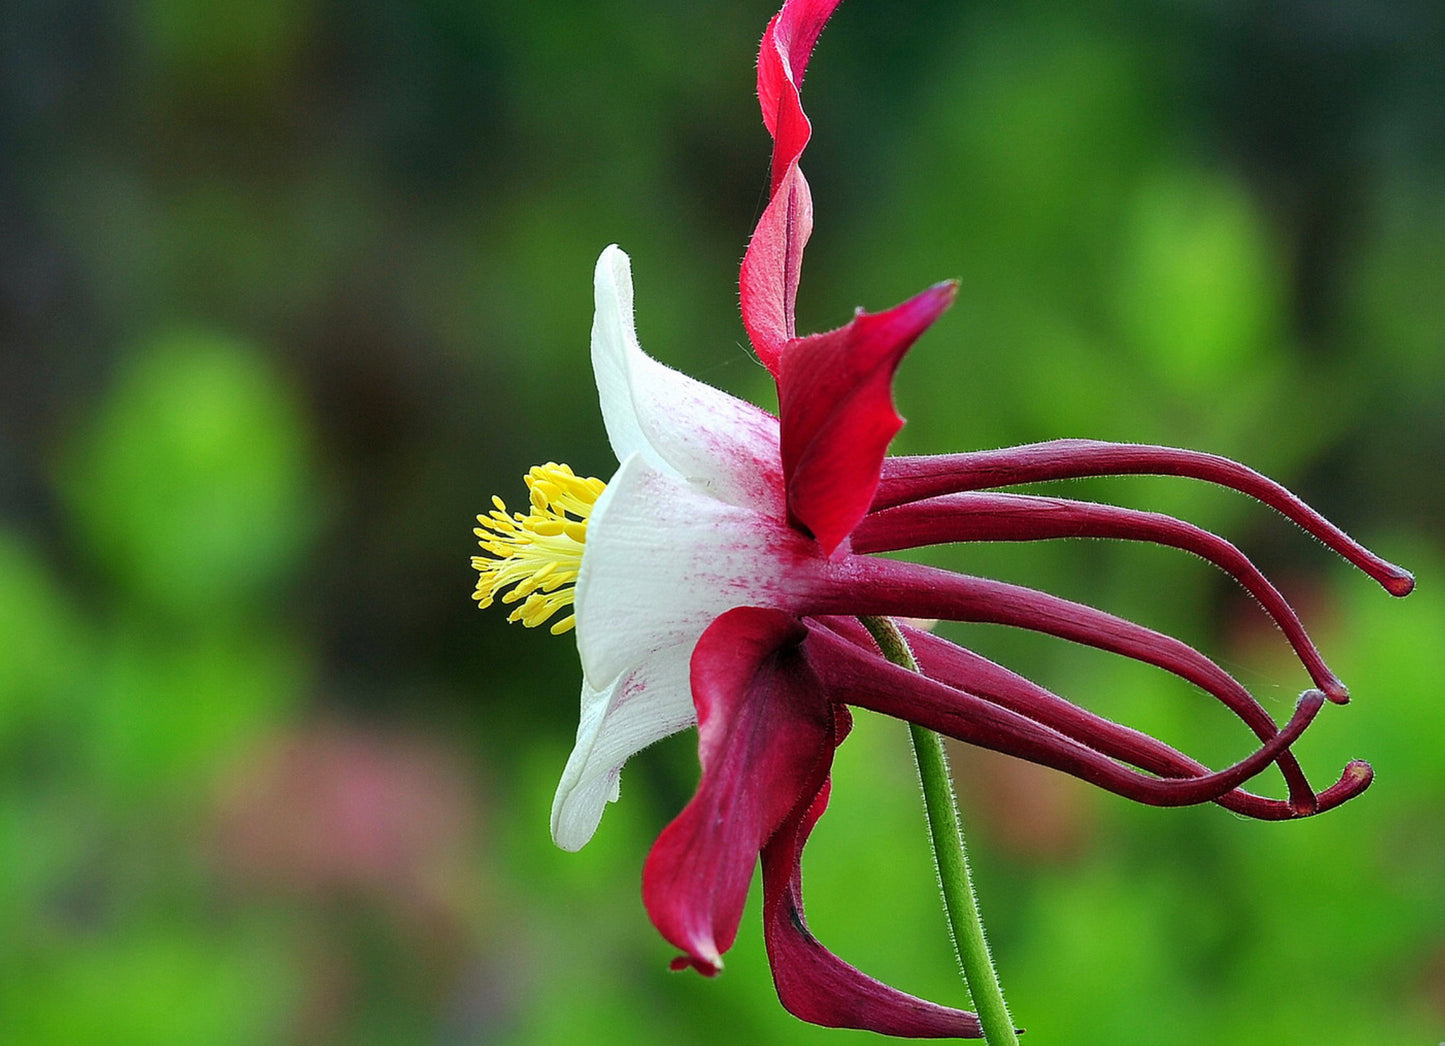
point(336, 807)
point(373, 842)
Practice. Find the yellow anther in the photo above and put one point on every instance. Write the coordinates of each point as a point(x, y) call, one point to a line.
point(537, 556)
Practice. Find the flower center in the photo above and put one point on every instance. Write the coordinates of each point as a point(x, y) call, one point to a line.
point(538, 554)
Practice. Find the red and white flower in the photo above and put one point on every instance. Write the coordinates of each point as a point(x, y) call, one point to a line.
point(719, 575)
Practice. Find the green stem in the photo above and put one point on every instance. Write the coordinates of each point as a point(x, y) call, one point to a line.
point(959, 900)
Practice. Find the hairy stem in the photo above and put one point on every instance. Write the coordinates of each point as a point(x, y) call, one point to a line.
point(959, 901)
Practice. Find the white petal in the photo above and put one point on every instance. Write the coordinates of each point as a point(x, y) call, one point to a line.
point(648, 704)
point(693, 524)
point(664, 560)
point(722, 445)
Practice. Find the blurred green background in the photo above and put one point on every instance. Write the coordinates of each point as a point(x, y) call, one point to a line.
point(289, 288)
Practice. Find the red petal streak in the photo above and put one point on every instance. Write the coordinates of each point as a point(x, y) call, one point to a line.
point(911, 479)
point(768, 281)
point(765, 740)
point(835, 405)
point(863, 678)
point(814, 984)
point(882, 586)
point(1020, 517)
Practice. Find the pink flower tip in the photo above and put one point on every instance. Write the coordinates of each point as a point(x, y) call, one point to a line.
point(1359, 773)
point(934, 302)
point(709, 964)
point(1355, 779)
point(1311, 699)
point(1399, 582)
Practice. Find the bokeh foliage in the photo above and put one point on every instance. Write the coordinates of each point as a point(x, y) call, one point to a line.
point(289, 289)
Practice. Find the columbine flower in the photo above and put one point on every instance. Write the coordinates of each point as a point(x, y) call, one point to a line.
point(717, 578)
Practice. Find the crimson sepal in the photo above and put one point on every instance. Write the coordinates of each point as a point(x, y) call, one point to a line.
point(835, 405)
point(783, 57)
point(768, 282)
point(814, 984)
point(765, 740)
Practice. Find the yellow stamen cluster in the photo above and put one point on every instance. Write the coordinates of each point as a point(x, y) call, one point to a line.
point(539, 553)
